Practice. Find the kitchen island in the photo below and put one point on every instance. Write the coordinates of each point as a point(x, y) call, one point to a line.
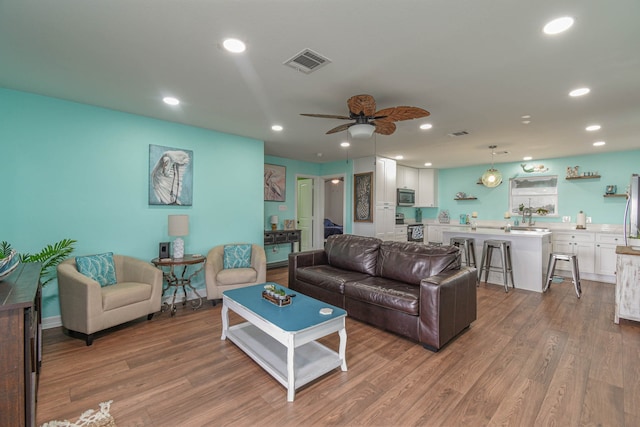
point(529, 253)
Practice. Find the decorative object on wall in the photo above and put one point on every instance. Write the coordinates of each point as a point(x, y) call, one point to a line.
point(363, 197)
point(533, 168)
point(492, 177)
point(275, 180)
point(170, 176)
point(538, 195)
point(178, 226)
point(611, 189)
point(443, 217)
point(289, 224)
point(572, 172)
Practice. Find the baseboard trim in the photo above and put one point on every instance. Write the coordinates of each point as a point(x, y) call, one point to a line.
point(277, 264)
point(51, 322)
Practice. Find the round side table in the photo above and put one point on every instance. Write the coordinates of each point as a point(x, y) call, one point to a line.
point(181, 280)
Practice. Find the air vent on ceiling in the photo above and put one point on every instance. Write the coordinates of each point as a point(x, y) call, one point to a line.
point(307, 61)
point(459, 133)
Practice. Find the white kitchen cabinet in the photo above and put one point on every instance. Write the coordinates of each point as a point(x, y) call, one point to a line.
point(385, 222)
point(385, 182)
point(406, 177)
point(427, 194)
point(401, 233)
point(605, 253)
point(434, 233)
point(578, 243)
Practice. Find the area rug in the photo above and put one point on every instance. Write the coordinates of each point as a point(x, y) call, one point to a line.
point(90, 418)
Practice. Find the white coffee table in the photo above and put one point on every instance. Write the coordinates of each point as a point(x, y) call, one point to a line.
point(282, 339)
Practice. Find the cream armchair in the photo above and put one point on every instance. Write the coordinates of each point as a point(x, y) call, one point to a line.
point(87, 308)
point(219, 279)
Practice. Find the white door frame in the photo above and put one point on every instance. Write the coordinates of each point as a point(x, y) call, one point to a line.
point(344, 198)
point(317, 233)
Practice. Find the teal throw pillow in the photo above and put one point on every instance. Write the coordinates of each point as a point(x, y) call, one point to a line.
point(237, 256)
point(98, 267)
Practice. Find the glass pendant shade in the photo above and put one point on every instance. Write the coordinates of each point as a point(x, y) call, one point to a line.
point(361, 131)
point(491, 178)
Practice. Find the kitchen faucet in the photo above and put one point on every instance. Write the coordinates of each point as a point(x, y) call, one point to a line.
point(528, 211)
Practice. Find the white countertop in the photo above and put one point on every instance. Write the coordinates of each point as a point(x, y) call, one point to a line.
point(496, 232)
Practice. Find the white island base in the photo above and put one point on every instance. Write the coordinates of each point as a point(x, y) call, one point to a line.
point(529, 254)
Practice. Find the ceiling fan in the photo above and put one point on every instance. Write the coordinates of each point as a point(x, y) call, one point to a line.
point(362, 109)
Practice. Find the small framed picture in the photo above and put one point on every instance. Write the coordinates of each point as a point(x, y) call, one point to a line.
point(289, 224)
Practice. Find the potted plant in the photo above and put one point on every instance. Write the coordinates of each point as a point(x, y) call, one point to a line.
point(50, 256)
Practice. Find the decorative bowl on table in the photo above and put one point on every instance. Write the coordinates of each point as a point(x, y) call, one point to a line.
point(8, 264)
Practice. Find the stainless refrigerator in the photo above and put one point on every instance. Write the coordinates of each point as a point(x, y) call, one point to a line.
point(632, 210)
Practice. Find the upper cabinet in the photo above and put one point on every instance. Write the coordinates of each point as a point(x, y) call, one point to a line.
point(385, 182)
point(427, 191)
point(407, 177)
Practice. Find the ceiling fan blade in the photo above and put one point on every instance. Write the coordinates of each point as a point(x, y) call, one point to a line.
point(362, 104)
point(398, 114)
point(327, 116)
point(340, 128)
point(384, 128)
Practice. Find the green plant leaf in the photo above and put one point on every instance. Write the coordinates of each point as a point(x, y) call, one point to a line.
point(5, 249)
point(50, 256)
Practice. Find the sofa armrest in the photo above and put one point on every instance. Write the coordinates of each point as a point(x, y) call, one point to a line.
point(447, 305)
point(80, 297)
point(305, 259)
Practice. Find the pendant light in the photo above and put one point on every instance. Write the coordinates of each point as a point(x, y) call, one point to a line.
point(492, 177)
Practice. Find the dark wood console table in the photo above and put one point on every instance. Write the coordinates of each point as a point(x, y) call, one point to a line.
point(21, 344)
point(276, 237)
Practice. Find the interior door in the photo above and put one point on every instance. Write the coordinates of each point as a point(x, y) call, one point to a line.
point(305, 212)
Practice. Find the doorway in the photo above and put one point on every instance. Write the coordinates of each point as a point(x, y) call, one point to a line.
point(334, 206)
point(305, 212)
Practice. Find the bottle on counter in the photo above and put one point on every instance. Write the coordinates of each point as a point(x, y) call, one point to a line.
point(418, 215)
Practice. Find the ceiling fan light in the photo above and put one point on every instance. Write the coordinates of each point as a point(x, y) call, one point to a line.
point(361, 131)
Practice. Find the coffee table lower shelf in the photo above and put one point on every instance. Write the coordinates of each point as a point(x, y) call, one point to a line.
point(311, 360)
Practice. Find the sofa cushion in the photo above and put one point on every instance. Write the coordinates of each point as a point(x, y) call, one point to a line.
point(411, 262)
point(237, 256)
point(234, 276)
point(328, 277)
point(353, 253)
point(125, 293)
point(98, 267)
point(385, 293)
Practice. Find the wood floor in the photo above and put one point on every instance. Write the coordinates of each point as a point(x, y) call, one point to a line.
point(529, 359)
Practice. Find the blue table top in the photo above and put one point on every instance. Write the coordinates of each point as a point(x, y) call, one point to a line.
point(302, 313)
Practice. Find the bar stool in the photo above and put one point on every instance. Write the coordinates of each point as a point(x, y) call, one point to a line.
point(504, 246)
point(468, 246)
point(575, 271)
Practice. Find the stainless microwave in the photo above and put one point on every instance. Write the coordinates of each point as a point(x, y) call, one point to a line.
point(406, 197)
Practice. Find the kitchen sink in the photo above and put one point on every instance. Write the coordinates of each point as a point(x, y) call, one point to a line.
point(529, 228)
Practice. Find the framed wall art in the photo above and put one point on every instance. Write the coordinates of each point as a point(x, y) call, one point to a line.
point(275, 181)
point(170, 176)
point(363, 197)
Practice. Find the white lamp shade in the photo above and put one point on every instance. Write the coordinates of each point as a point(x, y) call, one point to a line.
point(274, 219)
point(362, 131)
point(491, 178)
point(178, 225)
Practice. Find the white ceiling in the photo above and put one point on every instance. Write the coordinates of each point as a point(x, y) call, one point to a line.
point(475, 65)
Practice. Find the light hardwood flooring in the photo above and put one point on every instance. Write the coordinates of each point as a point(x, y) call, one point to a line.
point(529, 359)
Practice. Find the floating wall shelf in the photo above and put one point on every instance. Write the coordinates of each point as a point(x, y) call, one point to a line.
point(583, 177)
point(467, 198)
point(615, 195)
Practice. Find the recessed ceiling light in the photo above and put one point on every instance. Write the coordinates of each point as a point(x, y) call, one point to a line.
point(599, 143)
point(526, 116)
point(592, 128)
point(558, 25)
point(170, 100)
point(428, 164)
point(526, 122)
point(277, 128)
point(344, 144)
point(234, 45)
point(527, 158)
point(399, 157)
point(426, 126)
point(579, 92)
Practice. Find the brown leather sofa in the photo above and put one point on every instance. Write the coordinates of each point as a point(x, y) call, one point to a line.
point(418, 291)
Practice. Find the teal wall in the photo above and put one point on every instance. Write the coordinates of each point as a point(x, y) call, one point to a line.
point(75, 171)
point(573, 195)
point(296, 168)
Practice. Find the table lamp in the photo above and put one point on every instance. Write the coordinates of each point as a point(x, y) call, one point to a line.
point(274, 222)
point(178, 226)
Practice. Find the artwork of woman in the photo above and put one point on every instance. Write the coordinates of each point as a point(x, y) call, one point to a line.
point(168, 178)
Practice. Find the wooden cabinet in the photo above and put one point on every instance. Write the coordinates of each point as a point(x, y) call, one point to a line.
point(385, 182)
point(21, 344)
point(427, 194)
point(577, 243)
point(406, 177)
point(605, 253)
point(627, 285)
